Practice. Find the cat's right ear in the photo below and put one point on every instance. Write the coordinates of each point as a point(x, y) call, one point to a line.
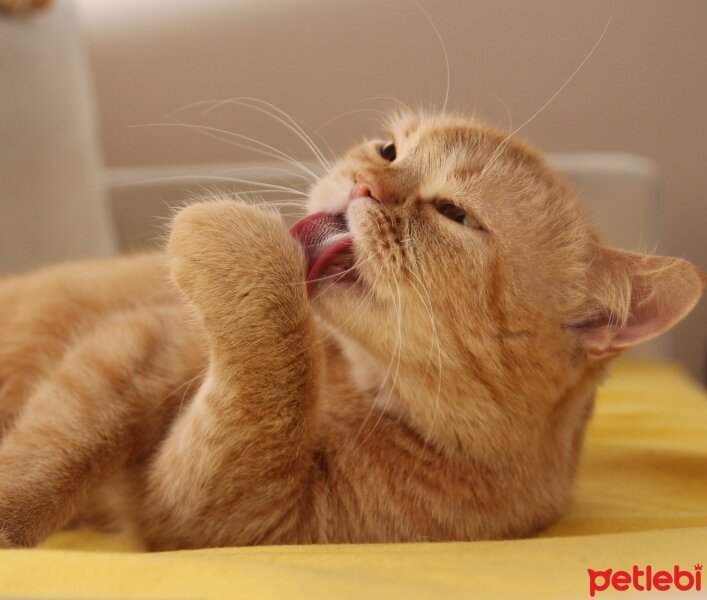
point(634, 298)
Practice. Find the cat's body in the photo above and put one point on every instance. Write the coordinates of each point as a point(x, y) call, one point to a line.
point(441, 393)
point(93, 307)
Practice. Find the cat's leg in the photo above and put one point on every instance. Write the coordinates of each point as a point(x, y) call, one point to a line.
point(11, 402)
point(100, 405)
point(237, 467)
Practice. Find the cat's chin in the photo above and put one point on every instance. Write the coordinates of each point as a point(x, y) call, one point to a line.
point(339, 288)
point(347, 308)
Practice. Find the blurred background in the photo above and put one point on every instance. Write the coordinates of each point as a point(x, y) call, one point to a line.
point(108, 81)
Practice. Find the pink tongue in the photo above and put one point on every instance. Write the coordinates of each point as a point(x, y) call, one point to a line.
point(323, 236)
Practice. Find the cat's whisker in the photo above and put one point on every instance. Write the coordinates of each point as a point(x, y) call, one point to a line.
point(296, 127)
point(287, 120)
point(346, 114)
point(270, 186)
point(185, 385)
point(226, 136)
point(567, 81)
point(391, 98)
point(172, 115)
point(373, 403)
point(207, 191)
point(278, 115)
point(275, 112)
point(428, 307)
point(269, 169)
point(559, 90)
point(427, 304)
point(264, 203)
point(261, 148)
point(507, 108)
point(187, 389)
point(256, 198)
point(336, 276)
point(287, 195)
point(423, 10)
point(366, 300)
point(397, 354)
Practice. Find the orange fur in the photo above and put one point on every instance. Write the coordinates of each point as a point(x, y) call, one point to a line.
point(443, 396)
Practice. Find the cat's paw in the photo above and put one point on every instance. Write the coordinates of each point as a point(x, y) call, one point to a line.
point(222, 252)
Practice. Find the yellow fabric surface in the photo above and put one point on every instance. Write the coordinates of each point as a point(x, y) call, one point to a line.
point(641, 498)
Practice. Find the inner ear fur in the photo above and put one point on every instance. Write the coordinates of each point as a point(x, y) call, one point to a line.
point(635, 297)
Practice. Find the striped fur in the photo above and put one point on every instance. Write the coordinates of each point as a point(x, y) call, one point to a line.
point(199, 398)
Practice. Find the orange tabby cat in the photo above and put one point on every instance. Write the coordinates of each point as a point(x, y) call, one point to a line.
point(434, 384)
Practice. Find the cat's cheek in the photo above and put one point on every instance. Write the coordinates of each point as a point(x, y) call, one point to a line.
point(330, 194)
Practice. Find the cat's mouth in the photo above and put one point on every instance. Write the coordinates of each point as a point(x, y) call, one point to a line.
point(328, 248)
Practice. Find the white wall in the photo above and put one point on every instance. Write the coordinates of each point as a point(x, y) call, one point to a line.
point(51, 186)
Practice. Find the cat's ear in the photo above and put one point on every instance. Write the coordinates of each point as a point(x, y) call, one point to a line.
point(635, 297)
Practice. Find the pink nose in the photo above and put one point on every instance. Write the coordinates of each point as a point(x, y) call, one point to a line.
point(360, 190)
point(365, 187)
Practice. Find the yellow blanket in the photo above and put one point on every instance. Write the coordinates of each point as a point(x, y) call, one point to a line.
point(640, 499)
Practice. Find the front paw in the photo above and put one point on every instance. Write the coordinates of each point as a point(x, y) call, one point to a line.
point(223, 252)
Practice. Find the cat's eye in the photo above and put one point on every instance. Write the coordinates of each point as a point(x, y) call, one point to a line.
point(456, 214)
point(388, 152)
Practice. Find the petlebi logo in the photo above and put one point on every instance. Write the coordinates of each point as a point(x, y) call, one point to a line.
point(645, 579)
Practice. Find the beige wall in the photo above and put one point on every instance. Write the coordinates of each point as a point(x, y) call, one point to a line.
point(643, 91)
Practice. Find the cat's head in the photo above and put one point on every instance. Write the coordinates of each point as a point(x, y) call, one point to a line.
point(448, 245)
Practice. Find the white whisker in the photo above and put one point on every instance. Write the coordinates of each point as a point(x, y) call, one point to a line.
point(365, 302)
point(337, 276)
point(444, 50)
point(397, 354)
point(428, 307)
point(509, 116)
point(503, 144)
point(566, 83)
point(281, 117)
point(268, 186)
point(186, 385)
point(224, 135)
point(347, 113)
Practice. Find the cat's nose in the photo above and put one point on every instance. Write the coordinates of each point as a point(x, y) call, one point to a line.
point(360, 190)
point(365, 187)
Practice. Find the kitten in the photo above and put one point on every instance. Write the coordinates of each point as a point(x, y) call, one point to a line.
point(416, 360)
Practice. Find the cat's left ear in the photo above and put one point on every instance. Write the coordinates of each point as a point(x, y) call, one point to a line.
point(634, 298)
